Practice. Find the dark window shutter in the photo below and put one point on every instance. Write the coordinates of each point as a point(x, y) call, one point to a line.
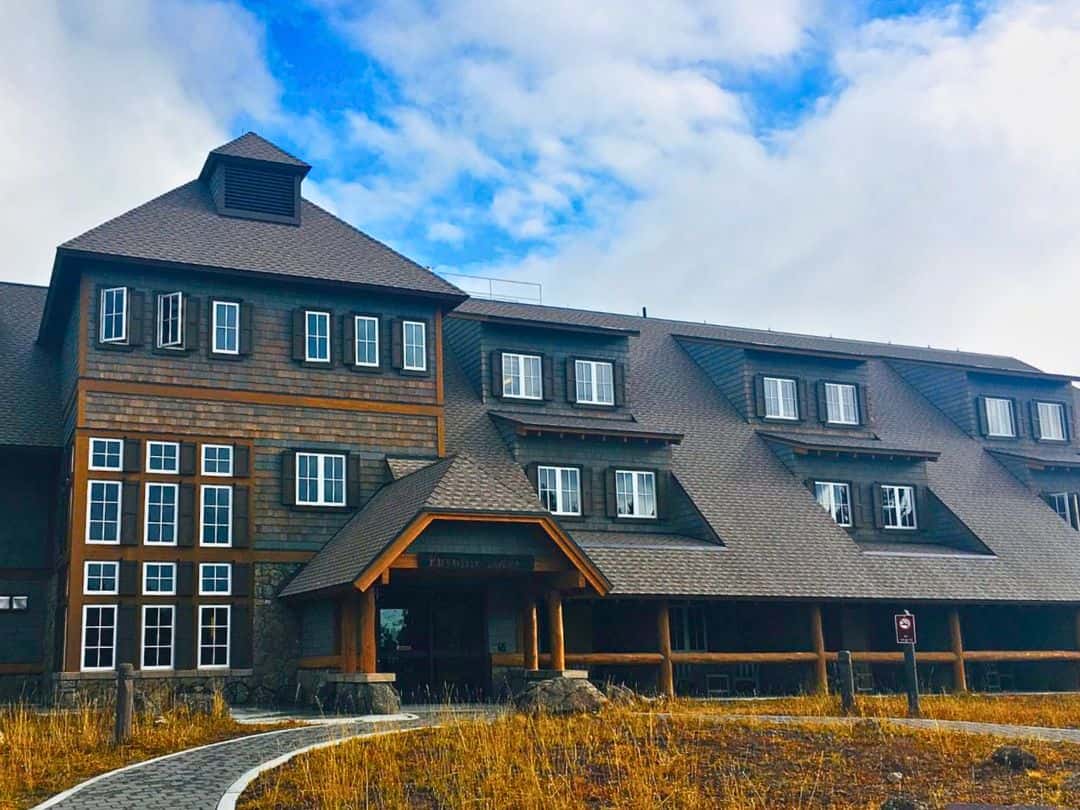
point(980, 416)
point(241, 579)
point(1036, 428)
point(759, 394)
point(184, 634)
point(610, 501)
point(240, 643)
point(1074, 510)
point(547, 378)
point(586, 491)
point(531, 474)
point(126, 635)
point(800, 389)
point(241, 461)
point(571, 380)
point(386, 341)
point(333, 338)
point(187, 458)
point(663, 492)
point(618, 373)
point(129, 578)
point(185, 579)
point(352, 482)
point(247, 331)
point(397, 358)
point(129, 514)
point(241, 520)
point(858, 507)
point(1067, 415)
point(288, 477)
point(299, 335)
point(497, 374)
point(132, 455)
point(1018, 420)
point(186, 517)
point(191, 322)
point(136, 317)
point(876, 493)
point(864, 412)
point(922, 508)
point(822, 403)
point(348, 340)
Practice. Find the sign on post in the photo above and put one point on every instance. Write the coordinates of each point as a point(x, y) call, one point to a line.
point(905, 637)
point(905, 628)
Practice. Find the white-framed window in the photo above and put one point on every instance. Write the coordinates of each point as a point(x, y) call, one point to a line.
point(101, 578)
point(594, 382)
point(317, 336)
point(781, 399)
point(99, 637)
point(160, 514)
point(522, 376)
point(688, 628)
point(214, 636)
point(225, 327)
point(635, 494)
point(366, 335)
point(157, 636)
point(1065, 504)
point(841, 404)
point(1051, 421)
point(835, 498)
point(107, 454)
point(159, 579)
point(163, 457)
point(414, 345)
point(320, 479)
point(215, 527)
point(103, 512)
point(559, 489)
point(170, 320)
point(217, 460)
point(215, 579)
point(114, 315)
point(999, 417)
point(898, 507)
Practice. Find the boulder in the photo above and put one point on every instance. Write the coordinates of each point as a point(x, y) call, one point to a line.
point(1014, 758)
point(619, 693)
point(902, 802)
point(560, 696)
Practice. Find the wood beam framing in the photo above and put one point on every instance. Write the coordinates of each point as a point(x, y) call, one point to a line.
point(368, 639)
point(663, 636)
point(956, 642)
point(555, 630)
point(817, 639)
point(529, 634)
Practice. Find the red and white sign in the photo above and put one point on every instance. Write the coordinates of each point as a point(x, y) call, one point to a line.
point(905, 628)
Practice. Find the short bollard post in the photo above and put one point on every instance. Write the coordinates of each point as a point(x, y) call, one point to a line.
point(911, 676)
point(125, 702)
point(847, 681)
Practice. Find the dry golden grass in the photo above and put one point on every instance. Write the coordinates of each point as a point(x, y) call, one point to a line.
point(626, 758)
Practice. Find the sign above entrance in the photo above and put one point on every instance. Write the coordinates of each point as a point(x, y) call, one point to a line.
point(905, 628)
point(475, 562)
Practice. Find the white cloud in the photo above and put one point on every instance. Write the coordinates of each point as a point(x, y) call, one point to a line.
point(446, 232)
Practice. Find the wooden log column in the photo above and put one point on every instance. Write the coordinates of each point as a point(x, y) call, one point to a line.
point(956, 640)
point(349, 615)
point(663, 634)
point(817, 638)
point(529, 634)
point(555, 626)
point(368, 646)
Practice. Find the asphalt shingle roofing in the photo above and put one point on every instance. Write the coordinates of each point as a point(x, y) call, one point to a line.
point(254, 147)
point(29, 382)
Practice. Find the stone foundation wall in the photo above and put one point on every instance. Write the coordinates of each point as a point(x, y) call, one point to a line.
point(154, 692)
point(275, 632)
point(334, 693)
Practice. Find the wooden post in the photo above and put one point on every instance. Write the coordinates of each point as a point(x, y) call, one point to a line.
point(529, 634)
point(555, 625)
point(846, 675)
point(125, 702)
point(663, 633)
point(911, 679)
point(956, 638)
point(817, 637)
point(367, 631)
point(349, 609)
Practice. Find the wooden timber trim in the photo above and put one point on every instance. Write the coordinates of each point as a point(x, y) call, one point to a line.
point(22, 669)
point(320, 662)
point(77, 554)
point(956, 642)
point(817, 638)
point(663, 636)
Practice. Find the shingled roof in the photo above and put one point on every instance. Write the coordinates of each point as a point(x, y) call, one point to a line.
point(29, 394)
point(252, 146)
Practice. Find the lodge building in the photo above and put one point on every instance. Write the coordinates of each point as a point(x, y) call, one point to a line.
point(246, 445)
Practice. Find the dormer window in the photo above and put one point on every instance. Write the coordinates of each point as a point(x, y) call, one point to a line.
point(559, 489)
point(414, 341)
point(522, 376)
point(1067, 507)
point(835, 498)
point(898, 507)
point(114, 315)
point(635, 494)
point(781, 400)
point(1000, 420)
point(841, 404)
point(170, 320)
point(595, 382)
point(1049, 418)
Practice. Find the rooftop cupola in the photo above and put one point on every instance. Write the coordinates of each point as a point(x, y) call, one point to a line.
point(251, 178)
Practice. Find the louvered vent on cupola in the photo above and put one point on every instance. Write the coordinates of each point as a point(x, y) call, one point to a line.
point(253, 179)
point(260, 192)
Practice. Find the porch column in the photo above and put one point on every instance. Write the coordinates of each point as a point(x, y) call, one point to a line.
point(367, 631)
point(555, 624)
point(956, 639)
point(663, 632)
point(349, 613)
point(817, 638)
point(529, 634)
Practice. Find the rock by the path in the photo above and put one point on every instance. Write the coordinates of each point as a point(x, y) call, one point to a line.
point(560, 696)
point(619, 693)
point(902, 802)
point(1014, 758)
point(894, 778)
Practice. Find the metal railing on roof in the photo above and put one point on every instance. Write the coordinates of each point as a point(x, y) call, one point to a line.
point(497, 289)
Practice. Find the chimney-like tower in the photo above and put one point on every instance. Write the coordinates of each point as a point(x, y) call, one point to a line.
point(251, 178)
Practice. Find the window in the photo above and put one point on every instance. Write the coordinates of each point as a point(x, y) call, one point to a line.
point(320, 479)
point(780, 399)
point(999, 417)
point(99, 637)
point(594, 382)
point(213, 636)
point(106, 454)
point(157, 637)
point(160, 514)
point(841, 404)
point(898, 507)
point(414, 341)
point(159, 579)
point(522, 376)
point(635, 494)
point(101, 578)
point(216, 516)
point(217, 459)
point(162, 457)
point(225, 328)
point(170, 320)
point(1051, 421)
point(560, 489)
point(317, 337)
point(215, 579)
point(366, 333)
point(1067, 507)
point(835, 499)
point(103, 512)
point(114, 315)
point(688, 628)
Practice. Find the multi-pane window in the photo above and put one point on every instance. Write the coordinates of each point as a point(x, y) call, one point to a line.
point(781, 401)
point(320, 479)
point(103, 512)
point(225, 327)
point(635, 494)
point(161, 514)
point(101, 578)
point(688, 628)
point(366, 334)
point(216, 516)
point(999, 417)
point(1051, 421)
point(114, 315)
point(217, 459)
point(317, 337)
point(898, 506)
point(213, 636)
point(1065, 504)
point(99, 637)
point(414, 345)
point(522, 376)
point(162, 457)
point(841, 404)
point(170, 320)
point(215, 579)
point(834, 498)
point(157, 636)
point(159, 578)
point(594, 382)
point(106, 454)
point(560, 489)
